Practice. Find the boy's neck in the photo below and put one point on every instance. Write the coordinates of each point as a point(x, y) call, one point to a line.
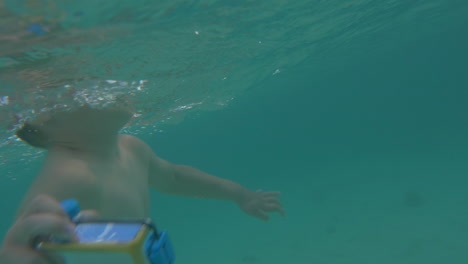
point(103, 146)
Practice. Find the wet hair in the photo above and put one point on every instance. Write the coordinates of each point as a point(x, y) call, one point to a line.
point(33, 135)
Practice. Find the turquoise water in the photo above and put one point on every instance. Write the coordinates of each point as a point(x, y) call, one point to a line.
point(355, 111)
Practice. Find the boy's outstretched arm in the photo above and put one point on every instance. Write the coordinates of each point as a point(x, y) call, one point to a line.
point(183, 180)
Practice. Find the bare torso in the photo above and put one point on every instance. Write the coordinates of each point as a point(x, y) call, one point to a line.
point(114, 186)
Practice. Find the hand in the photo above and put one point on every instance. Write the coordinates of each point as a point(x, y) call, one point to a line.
point(258, 204)
point(44, 216)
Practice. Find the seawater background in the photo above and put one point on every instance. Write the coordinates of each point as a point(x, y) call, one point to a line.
point(363, 128)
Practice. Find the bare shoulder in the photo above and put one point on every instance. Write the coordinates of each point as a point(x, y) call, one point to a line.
point(139, 148)
point(135, 145)
point(132, 141)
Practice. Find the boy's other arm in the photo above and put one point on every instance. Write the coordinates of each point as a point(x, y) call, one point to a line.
point(183, 180)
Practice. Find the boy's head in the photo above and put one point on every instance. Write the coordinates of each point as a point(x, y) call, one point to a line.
point(73, 125)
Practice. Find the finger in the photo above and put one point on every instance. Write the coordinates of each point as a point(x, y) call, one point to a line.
point(260, 214)
point(274, 207)
point(271, 194)
point(268, 193)
point(38, 224)
point(87, 215)
point(44, 204)
point(272, 200)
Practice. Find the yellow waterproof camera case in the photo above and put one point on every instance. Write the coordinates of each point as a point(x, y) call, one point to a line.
point(112, 241)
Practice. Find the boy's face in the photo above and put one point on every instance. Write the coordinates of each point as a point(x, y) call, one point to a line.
point(68, 125)
point(93, 118)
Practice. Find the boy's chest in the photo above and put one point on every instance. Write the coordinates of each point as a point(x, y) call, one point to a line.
point(124, 192)
point(114, 188)
point(122, 188)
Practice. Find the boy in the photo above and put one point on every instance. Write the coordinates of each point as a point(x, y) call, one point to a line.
point(110, 173)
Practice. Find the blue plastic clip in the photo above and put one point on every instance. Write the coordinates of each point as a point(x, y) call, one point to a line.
point(37, 29)
point(159, 249)
point(71, 207)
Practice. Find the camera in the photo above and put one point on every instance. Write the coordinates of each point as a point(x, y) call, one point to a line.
point(117, 241)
